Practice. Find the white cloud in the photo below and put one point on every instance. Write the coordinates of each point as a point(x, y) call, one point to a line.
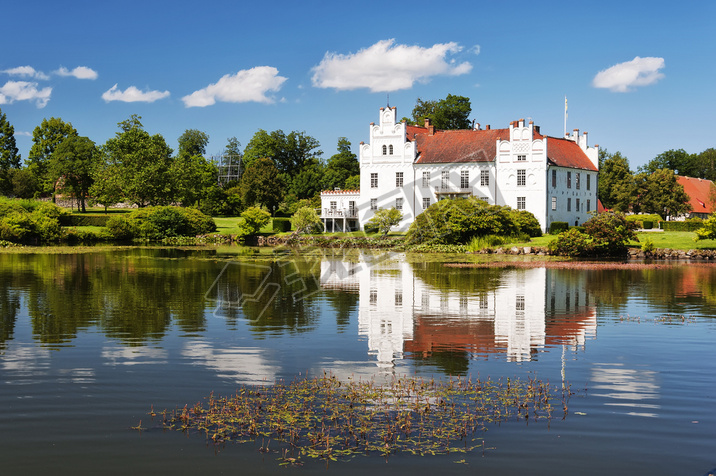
point(475, 49)
point(23, 133)
point(80, 72)
point(623, 77)
point(248, 85)
point(24, 91)
point(386, 66)
point(26, 72)
point(132, 94)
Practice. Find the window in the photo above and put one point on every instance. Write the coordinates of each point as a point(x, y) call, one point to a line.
point(426, 179)
point(385, 150)
point(445, 179)
point(373, 180)
point(334, 205)
point(373, 203)
point(521, 158)
point(576, 182)
point(390, 149)
point(426, 203)
point(484, 178)
point(520, 303)
point(425, 301)
point(554, 178)
point(398, 203)
point(398, 298)
point(569, 204)
point(373, 297)
point(554, 203)
point(465, 179)
point(398, 179)
point(521, 203)
point(576, 205)
point(589, 182)
point(569, 179)
point(483, 301)
point(589, 208)
point(521, 178)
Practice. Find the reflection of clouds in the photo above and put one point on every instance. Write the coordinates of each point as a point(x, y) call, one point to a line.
point(26, 360)
point(355, 371)
point(245, 365)
point(134, 355)
point(629, 387)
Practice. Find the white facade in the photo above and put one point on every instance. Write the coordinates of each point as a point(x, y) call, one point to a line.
point(410, 168)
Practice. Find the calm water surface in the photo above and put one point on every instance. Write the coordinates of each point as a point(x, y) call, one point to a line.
point(89, 342)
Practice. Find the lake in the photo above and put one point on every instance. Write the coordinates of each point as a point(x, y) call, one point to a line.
point(91, 342)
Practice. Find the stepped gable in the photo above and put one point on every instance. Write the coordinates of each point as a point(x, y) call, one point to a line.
point(567, 153)
point(456, 146)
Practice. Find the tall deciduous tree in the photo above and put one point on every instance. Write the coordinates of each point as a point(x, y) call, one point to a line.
point(616, 181)
point(45, 139)
point(144, 163)
point(289, 152)
point(341, 166)
point(72, 164)
point(450, 113)
point(261, 184)
point(660, 193)
point(680, 161)
point(193, 142)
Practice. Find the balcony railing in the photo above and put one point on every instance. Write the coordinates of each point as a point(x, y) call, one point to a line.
point(339, 213)
point(452, 189)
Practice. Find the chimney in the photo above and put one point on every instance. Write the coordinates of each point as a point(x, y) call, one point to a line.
point(429, 127)
point(537, 129)
point(487, 127)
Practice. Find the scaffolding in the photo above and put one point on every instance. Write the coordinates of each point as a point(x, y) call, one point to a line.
point(229, 166)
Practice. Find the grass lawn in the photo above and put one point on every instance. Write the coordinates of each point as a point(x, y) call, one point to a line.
point(675, 240)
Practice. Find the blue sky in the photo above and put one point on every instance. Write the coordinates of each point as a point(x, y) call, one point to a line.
point(639, 76)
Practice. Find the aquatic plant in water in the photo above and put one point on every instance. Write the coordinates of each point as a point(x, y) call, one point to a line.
point(327, 418)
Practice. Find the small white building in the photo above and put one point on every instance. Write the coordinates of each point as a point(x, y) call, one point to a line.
point(411, 167)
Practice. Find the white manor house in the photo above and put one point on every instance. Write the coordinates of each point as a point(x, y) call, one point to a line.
point(410, 168)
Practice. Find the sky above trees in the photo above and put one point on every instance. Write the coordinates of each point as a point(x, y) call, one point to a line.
point(638, 75)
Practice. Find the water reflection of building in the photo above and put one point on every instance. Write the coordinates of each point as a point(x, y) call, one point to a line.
point(516, 315)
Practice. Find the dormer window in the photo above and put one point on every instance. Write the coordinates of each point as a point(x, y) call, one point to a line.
point(385, 150)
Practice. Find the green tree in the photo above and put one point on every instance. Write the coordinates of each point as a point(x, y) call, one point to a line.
point(450, 113)
point(385, 219)
point(9, 156)
point(261, 184)
point(192, 142)
point(23, 183)
point(309, 181)
point(341, 166)
point(611, 233)
point(660, 193)
point(72, 163)
point(706, 164)
point(144, 163)
point(680, 161)
point(106, 188)
point(616, 181)
point(193, 176)
point(45, 139)
point(289, 152)
point(353, 182)
point(306, 220)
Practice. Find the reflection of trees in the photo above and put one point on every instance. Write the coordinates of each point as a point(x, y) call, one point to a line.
point(449, 361)
point(9, 306)
point(130, 297)
point(472, 280)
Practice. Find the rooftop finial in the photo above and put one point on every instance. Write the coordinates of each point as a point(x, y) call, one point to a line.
point(388, 100)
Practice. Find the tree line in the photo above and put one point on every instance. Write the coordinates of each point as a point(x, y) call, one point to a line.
point(654, 187)
point(280, 171)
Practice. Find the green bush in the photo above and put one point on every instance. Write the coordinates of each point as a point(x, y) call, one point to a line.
point(121, 227)
point(459, 220)
point(30, 221)
point(571, 243)
point(306, 220)
point(156, 223)
point(557, 227)
point(281, 225)
point(647, 224)
point(254, 219)
point(526, 223)
point(642, 218)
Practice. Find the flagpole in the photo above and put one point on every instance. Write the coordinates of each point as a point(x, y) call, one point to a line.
point(565, 116)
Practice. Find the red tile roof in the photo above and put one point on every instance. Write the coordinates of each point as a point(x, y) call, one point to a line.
point(460, 146)
point(699, 192)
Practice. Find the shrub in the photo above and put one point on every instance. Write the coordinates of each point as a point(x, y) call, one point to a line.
point(24, 221)
point(525, 222)
point(692, 224)
point(647, 245)
point(156, 223)
point(647, 224)
point(642, 218)
point(571, 243)
point(121, 227)
point(557, 227)
point(254, 220)
point(384, 220)
point(281, 225)
point(707, 230)
point(84, 220)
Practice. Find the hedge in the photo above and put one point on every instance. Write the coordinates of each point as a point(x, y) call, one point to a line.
point(688, 225)
point(84, 220)
point(281, 225)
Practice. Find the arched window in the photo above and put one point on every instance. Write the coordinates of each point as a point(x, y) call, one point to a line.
point(390, 149)
point(385, 150)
